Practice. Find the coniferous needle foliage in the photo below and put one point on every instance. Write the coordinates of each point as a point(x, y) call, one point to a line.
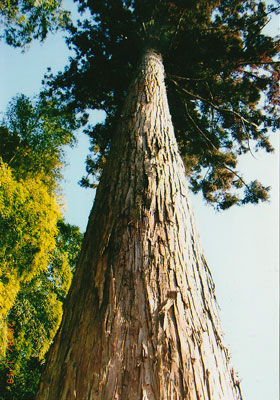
point(222, 75)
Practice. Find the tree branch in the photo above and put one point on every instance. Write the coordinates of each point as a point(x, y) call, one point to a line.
point(215, 106)
point(238, 176)
point(184, 78)
point(198, 128)
point(252, 62)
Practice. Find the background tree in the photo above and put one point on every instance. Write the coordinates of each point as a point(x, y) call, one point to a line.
point(141, 319)
point(28, 228)
point(33, 137)
point(24, 20)
point(38, 250)
point(37, 313)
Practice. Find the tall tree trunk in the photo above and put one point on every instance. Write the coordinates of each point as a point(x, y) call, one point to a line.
point(141, 319)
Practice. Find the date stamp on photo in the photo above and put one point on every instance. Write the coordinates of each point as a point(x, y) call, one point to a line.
point(10, 344)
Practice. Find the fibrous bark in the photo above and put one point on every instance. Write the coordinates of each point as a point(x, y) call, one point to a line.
point(141, 319)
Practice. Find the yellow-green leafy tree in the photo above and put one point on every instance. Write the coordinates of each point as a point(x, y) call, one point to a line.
point(36, 315)
point(28, 219)
point(38, 250)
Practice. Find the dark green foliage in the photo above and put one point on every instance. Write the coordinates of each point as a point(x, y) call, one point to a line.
point(64, 259)
point(24, 20)
point(221, 75)
point(24, 388)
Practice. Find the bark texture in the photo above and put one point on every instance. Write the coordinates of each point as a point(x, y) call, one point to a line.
point(141, 319)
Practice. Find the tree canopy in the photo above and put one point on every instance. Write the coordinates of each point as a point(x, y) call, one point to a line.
point(38, 249)
point(221, 76)
point(24, 20)
point(28, 217)
point(33, 134)
point(37, 313)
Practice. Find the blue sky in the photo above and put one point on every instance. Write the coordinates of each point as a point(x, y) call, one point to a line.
point(241, 245)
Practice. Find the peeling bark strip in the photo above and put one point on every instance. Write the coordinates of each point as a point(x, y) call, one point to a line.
point(141, 320)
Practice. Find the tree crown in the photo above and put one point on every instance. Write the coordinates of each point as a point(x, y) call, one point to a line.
point(221, 77)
